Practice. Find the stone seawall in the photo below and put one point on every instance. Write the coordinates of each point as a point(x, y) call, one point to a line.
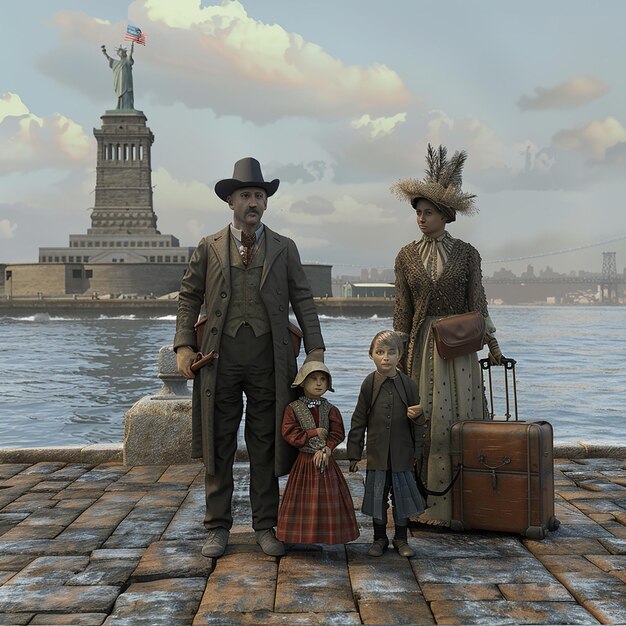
point(332, 307)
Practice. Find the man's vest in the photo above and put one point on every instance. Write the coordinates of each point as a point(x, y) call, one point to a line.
point(245, 301)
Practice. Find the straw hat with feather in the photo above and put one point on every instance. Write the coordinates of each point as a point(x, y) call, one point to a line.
point(441, 186)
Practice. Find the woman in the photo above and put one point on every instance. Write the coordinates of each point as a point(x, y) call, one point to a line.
point(437, 276)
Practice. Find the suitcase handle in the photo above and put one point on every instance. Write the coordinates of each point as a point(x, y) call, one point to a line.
point(509, 365)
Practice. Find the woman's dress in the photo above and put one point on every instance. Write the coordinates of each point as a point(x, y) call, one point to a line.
point(316, 507)
point(435, 278)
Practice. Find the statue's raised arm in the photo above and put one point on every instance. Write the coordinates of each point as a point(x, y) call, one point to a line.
point(122, 77)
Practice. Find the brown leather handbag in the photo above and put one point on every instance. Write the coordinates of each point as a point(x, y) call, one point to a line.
point(457, 335)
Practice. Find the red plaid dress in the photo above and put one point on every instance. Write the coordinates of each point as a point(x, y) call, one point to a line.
point(315, 507)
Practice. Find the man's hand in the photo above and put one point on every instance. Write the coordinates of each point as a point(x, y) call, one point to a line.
point(185, 356)
point(354, 465)
point(315, 355)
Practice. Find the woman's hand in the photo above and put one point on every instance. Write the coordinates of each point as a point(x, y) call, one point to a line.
point(495, 355)
point(414, 411)
point(354, 465)
point(322, 433)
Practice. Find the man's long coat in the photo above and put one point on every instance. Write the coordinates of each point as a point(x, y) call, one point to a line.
point(283, 282)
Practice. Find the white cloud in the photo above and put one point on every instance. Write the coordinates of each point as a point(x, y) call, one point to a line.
point(7, 229)
point(229, 62)
point(29, 142)
point(594, 139)
point(570, 94)
point(379, 126)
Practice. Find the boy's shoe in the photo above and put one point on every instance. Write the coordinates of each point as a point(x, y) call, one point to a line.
point(216, 542)
point(378, 547)
point(403, 548)
point(268, 542)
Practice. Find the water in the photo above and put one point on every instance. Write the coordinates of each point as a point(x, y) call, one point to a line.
point(69, 381)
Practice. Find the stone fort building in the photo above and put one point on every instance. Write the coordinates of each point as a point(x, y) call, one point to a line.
point(123, 253)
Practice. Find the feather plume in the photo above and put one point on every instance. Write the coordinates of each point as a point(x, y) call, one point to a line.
point(453, 172)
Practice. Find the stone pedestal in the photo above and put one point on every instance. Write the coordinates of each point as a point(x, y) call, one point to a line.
point(157, 428)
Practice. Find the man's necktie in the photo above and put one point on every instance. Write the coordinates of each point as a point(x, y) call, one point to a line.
point(247, 245)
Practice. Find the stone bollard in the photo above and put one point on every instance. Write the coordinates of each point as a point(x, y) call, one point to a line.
point(157, 428)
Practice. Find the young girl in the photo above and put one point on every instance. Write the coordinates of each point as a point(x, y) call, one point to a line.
point(388, 410)
point(316, 506)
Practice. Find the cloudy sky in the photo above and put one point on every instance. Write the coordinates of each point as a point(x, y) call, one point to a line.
point(338, 100)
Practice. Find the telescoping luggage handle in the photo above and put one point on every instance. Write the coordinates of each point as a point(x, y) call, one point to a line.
point(509, 365)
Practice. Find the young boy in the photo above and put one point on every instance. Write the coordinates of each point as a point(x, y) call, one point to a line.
point(388, 409)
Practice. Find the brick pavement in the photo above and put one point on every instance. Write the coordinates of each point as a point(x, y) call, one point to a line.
point(109, 544)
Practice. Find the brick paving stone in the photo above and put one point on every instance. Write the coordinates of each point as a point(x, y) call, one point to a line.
point(533, 592)
point(44, 467)
point(78, 504)
point(117, 554)
point(568, 514)
point(15, 619)
point(51, 517)
point(71, 471)
point(50, 570)
point(241, 582)
point(608, 611)
point(580, 530)
point(314, 577)
point(15, 562)
point(453, 545)
point(505, 612)
point(76, 619)
point(600, 505)
point(463, 591)
point(614, 546)
point(7, 470)
point(51, 485)
point(106, 512)
point(183, 474)
point(4, 576)
point(410, 611)
point(616, 529)
point(105, 572)
point(10, 520)
point(168, 601)
point(609, 563)
point(80, 493)
point(21, 481)
point(267, 618)
point(600, 586)
point(72, 533)
point(389, 575)
point(32, 532)
point(565, 546)
point(140, 475)
point(173, 559)
point(57, 598)
point(163, 498)
point(141, 527)
point(30, 505)
point(475, 570)
point(48, 547)
point(187, 522)
point(572, 563)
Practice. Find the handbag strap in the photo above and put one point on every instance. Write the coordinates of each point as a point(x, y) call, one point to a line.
point(424, 490)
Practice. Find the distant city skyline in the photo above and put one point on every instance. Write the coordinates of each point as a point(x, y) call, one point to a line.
point(338, 100)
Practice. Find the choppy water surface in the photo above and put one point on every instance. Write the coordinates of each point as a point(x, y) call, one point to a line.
point(69, 381)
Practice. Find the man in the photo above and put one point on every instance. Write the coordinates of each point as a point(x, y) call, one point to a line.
point(246, 276)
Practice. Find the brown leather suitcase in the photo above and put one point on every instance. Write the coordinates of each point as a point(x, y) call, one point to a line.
point(506, 481)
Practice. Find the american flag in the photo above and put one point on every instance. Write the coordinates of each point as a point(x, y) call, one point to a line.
point(135, 34)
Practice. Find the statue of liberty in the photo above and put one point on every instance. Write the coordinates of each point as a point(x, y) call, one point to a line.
point(122, 77)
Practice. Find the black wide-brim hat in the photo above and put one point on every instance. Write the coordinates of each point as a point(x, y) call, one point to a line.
point(246, 173)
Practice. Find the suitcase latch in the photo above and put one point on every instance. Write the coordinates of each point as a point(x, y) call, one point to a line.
point(494, 478)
